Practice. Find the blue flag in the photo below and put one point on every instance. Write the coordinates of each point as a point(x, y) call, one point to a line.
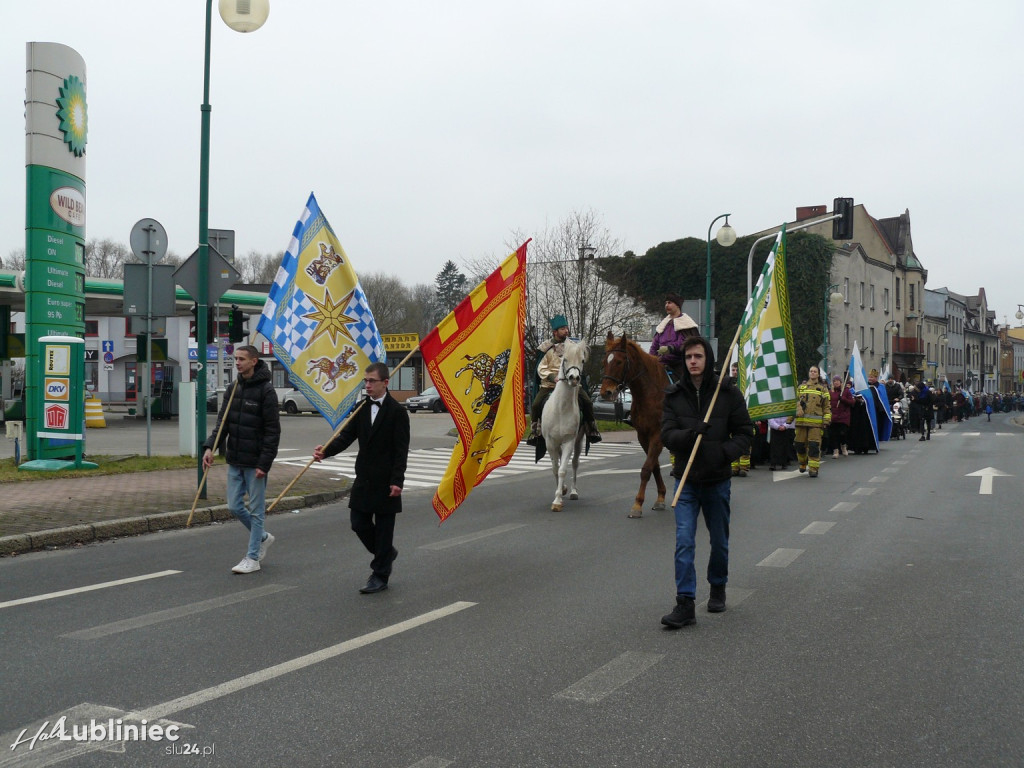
point(318, 318)
point(881, 432)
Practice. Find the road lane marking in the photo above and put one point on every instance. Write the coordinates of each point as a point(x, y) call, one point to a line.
point(472, 536)
point(817, 528)
point(845, 506)
point(890, 470)
point(229, 687)
point(157, 617)
point(878, 479)
point(781, 558)
point(612, 676)
point(90, 588)
point(863, 491)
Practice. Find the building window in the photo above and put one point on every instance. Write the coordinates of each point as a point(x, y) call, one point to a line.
point(872, 296)
point(897, 293)
point(92, 327)
point(862, 295)
point(846, 336)
point(885, 300)
point(862, 337)
point(846, 290)
point(872, 341)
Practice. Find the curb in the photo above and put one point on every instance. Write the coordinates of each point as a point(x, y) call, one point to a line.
point(55, 538)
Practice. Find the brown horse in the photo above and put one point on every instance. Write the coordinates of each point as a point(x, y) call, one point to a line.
point(626, 365)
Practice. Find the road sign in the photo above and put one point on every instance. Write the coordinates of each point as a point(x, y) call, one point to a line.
point(148, 241)
point(220, 275)
point(136, 290)
point(224, 241)
point(108, 357)
point(108, 346)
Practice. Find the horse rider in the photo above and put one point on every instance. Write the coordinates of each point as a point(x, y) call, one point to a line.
point(669, 336)
point(550, 352)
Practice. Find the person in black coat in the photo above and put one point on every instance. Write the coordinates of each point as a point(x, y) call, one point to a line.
point(252, 432)
point(382, 428)
point(726, 437)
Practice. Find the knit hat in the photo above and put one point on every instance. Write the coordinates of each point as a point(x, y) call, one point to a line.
point(675, 298)
point(558, 321)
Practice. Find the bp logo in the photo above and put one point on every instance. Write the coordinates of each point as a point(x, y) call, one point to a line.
point(74, 119)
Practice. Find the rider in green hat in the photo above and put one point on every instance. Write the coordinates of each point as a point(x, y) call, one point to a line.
point(550, 353)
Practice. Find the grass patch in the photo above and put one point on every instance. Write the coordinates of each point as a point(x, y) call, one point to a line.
point(108, 465)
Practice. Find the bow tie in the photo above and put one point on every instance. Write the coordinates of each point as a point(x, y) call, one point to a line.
point(376, 402)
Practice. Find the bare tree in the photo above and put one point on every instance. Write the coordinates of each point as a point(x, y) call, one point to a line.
point(423, 312)
point(15, 259)
point(258, 267)
point(388, 300)
point(563, 279)
point(105, 258)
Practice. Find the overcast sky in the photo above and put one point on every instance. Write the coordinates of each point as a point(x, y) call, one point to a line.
point(431, 130)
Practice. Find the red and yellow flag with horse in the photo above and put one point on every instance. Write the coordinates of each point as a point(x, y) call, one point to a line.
point(475, 359)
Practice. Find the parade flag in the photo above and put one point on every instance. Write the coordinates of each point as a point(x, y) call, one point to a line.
point(766, 359)
point(318, 319)
point(475, 359)
point(880, 431)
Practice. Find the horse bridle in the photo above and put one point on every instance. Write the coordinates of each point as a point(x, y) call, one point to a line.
point(563, 372)
point(625, 381)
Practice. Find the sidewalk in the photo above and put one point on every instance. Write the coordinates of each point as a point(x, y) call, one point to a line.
point(42, 514)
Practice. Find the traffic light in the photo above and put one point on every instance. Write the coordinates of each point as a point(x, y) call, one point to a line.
point(842, 228)
point(211, 325)
point(141, 347)
point(236, 320)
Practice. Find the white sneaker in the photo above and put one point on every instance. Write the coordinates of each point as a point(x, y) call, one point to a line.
point(265, 545)
point(248, 565)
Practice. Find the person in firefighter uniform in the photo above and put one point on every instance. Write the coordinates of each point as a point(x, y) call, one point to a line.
point(813, 415)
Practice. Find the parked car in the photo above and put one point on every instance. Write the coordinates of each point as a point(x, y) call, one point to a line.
point(295, 402)
point(606, 410)
point(427, 400)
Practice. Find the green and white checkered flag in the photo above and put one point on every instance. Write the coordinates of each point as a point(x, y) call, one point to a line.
point(766, 362)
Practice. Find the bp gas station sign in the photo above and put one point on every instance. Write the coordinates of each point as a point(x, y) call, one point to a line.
point(56, 132)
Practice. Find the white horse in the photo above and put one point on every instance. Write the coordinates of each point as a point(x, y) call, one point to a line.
point(560, 421)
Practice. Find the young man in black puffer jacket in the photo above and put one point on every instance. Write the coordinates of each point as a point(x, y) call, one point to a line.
point(252, 431)
point(708, 487)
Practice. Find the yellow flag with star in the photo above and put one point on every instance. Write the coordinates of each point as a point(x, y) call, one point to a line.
point(318, 320)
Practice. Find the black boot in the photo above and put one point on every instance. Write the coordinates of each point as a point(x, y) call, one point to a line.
point(534, 437)
point(593, 436)
point(682, 614)
point(716, 603)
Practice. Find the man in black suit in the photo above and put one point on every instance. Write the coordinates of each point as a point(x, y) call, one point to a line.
point(382, 428)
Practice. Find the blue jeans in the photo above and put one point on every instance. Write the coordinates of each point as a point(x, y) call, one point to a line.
point(713, 500)
point(242, 481)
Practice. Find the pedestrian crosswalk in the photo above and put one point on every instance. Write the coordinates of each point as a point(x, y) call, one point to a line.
point(426, 466)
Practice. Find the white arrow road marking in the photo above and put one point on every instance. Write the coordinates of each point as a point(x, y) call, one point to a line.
point(986, 476)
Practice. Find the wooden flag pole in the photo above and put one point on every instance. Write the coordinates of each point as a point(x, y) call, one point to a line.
point(707, 416)
point(336, 433)
point(216, 442)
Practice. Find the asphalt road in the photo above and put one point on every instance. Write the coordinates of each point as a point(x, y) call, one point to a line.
point(874, 620)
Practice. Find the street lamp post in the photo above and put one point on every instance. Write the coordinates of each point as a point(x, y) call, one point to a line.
point(241, 16)
point(832, 296)
point(725, 236)
point(885, 332)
